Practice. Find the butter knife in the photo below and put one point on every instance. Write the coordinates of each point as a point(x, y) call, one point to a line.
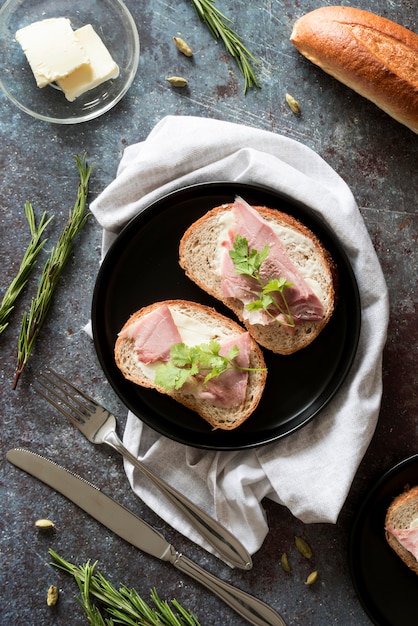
point(137, 532)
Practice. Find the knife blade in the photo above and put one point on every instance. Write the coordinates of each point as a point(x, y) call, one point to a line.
point(138, 533)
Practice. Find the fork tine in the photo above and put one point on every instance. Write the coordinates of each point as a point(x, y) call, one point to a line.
point(73, 387)
point(58, 406)
point(63, 398)
point(65, 394)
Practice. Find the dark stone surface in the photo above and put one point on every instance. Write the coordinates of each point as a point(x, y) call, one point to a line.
point(375, 155)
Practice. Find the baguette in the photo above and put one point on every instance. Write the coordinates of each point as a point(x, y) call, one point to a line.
point(199, 255)
point(372, 55)
point(402, 515)
point(202, 323)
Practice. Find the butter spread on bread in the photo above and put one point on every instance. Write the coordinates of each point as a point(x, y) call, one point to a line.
point(145, 342)
point(401, 527)
point(372, 55)
point(295, 254)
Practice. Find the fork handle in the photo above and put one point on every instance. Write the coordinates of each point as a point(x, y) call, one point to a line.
point(224, 543)
point(251, 608)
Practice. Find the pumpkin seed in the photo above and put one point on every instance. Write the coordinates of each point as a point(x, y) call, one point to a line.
point(303, 547)
point(44, 524)
point(311, 578)
point(177, 81)
point(52, 595)
point(293, 104)
point(285, 563)
point(183, 46)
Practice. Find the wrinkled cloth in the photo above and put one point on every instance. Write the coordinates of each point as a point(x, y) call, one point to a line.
point(310, 471)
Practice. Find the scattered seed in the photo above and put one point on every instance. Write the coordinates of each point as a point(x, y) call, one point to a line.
point(183, 46)
point(44, 524)
point(285, 563)
point(293, 104)
point(311, 578)
point(52, 595)
point(303, 547)
point(177, 81)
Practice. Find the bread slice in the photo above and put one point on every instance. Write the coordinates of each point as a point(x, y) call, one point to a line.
point(401, 513)
point(220, 329)
point(199, 257)
point(372, 55)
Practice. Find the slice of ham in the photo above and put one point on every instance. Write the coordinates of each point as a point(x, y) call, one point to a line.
point(154, 335)
point(407, 537)
point(303, 302)
point(229, 389)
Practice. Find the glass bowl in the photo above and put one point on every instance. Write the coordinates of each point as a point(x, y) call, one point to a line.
point(113, 23)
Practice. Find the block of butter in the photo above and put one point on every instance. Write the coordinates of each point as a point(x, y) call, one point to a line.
point(100, 68)
point(52, 49)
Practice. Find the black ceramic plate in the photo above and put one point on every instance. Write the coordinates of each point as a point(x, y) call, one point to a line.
point(387, 588)
point(142, 267)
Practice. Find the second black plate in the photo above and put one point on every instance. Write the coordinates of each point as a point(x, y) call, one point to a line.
point(142, 267)
point(386, 587)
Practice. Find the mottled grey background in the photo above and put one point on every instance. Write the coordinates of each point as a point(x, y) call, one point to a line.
point(375, 155)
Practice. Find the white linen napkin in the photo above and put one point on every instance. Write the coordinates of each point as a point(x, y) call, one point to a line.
point(310, 471)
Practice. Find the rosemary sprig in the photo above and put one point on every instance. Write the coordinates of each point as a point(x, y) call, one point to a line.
point(220, 27)
point(26, 266)
point(32, 322)
point(125, 605)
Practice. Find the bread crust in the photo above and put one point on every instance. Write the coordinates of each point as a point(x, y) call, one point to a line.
point(218, 417)
point(197, 252)
point(403, 509)
point(370, 54)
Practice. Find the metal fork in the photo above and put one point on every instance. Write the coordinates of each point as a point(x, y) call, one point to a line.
point(99, 426)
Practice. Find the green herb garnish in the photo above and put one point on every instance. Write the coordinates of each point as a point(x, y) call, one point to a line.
point(32, 321)
point(248, 262)
point(189, 361)
point(26, 266)
point(123, 605)
point(219, 26)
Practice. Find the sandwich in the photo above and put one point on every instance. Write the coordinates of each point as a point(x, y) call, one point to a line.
point(401, 527)
point(200, 358)
point(267, 267)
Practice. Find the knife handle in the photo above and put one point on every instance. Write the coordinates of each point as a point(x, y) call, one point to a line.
point(252, 609)
point(224, 542)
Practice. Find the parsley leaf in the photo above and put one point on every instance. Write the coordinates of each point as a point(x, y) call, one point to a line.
point(188, 363)
point(248, 262)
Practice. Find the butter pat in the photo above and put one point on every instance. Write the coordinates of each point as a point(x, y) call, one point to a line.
point(52, 49)
point(100, 68)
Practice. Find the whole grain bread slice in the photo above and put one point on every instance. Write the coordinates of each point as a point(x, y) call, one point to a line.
point(226, 418)
point(199, 256)
point(402, 511)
